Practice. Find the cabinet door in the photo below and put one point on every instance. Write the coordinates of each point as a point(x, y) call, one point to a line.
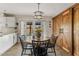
point(5, 44)
point(14, 38)
point(76, 30)
point(2, 22)
point(1, 45)
point(10, 39)
point(67, 30)
point(11, 22)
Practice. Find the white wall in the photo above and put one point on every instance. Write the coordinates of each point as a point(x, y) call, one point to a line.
point(22, 28)
point(47, 30)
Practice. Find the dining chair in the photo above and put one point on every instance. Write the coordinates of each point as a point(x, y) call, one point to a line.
point(52, 44)
point(25, 46)
point(40, 48)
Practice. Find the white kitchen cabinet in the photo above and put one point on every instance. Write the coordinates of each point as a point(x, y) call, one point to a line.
point(7, 41)
point(4, 44)
point(2, 21)
point(14, 38)
point(7, 21)
point(1, 45)
point(11, 22)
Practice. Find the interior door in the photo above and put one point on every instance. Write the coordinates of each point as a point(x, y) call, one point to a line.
point(76, 30)
point(57, 25)
point(67, 30)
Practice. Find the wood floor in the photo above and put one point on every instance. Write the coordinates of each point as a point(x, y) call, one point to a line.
point(16, 51)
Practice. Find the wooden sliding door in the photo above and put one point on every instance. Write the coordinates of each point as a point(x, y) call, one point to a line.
point(69, 22)
point(67, 30)
point(76, 30)
point(64, 22)
point(57, 25)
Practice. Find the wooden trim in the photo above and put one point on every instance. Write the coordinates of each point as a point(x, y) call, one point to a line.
point(75, 6)
point(66, 12)
point(72, 32)
point(53, 25)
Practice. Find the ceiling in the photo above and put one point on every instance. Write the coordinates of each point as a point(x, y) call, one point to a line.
point(49, 9)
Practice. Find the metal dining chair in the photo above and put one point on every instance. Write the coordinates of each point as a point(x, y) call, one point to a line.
point(25, 46)
point(40, 48)
point(52, 44)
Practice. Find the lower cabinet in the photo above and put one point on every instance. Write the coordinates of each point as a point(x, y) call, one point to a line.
point(14, 38)
point(7, 41)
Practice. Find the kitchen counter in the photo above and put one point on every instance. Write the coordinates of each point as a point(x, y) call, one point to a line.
point(1, 35)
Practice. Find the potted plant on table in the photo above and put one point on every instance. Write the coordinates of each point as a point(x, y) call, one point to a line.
point(38, 33)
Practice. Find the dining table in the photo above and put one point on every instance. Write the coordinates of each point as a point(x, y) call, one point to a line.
point(29, 41)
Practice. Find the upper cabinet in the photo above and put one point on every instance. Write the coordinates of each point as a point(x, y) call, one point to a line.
point(11, 22)
point(7, 22)
point(2, 22)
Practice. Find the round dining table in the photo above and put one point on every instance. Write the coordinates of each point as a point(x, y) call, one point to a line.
point(29, 41)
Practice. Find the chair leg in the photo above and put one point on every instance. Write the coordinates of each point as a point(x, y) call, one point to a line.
point(47, 53)
point(31, 52)
point(51, 50)
point(25, 51)
point(22, 52)
point(54, 51)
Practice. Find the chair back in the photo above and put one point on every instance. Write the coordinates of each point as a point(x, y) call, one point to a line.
point(23, 37)
point(53, 40)
point(40, 47)
point(22, 40)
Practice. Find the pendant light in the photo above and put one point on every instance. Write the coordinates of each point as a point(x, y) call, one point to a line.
point(38, 14)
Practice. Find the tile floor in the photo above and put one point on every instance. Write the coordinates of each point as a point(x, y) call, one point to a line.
point(16, 51)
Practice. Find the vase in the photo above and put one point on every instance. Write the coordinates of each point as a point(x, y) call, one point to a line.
point(38, 36)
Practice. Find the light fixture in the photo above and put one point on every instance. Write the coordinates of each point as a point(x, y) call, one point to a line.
point(38, 14)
